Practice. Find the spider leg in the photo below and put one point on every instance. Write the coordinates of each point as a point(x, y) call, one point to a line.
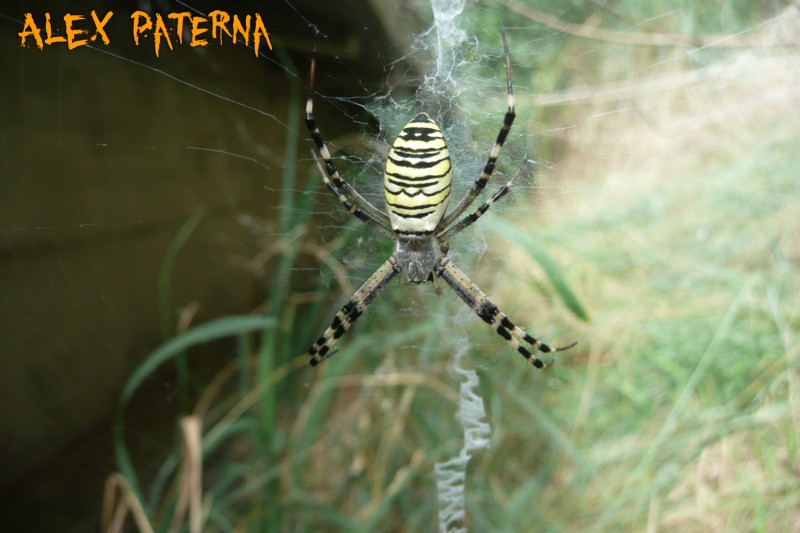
point(353, 309)
point(489, 313)
point(471, 218)
point(508, 120)
point(350, 206)
point(347, 195)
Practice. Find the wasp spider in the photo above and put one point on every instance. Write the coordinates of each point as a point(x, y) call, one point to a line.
point(416, 187)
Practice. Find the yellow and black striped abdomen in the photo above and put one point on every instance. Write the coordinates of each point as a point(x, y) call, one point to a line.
point(417, 179)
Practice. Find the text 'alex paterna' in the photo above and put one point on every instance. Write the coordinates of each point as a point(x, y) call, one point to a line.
point(178, 28)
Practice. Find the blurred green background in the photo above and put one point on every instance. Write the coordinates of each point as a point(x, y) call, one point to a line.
point(169, 253)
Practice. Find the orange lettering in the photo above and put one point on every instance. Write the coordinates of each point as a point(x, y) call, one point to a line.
point(72, 43)
point(218, 21)
point(237, 28)
point(99, 25)
point(161, 31)
point(33, 31)
point(179, 17)
point(197, 30)
point(259, 30)
point(219, 24)
point(137, 29)
point(48, 30)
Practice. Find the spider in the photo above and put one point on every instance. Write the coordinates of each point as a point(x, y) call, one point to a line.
point(417, 189)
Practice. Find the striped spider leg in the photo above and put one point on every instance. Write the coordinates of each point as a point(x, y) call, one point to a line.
point(488, 169)
point(344, 192)
point(416, 187)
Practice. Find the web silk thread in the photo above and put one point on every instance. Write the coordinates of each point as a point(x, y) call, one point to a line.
point(451, 475)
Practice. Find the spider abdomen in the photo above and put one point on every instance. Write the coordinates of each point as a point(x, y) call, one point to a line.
point(417, 179)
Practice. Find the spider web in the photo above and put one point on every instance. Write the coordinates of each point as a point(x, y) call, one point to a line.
point(141, 196)
point(126, 178)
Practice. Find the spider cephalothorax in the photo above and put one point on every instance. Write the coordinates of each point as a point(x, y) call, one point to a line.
point(417, 189)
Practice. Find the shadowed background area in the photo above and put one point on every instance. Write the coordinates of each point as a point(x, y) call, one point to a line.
point(106, 154)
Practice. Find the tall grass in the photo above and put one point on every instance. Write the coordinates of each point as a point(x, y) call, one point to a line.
point(672, 211)
point(677, 218)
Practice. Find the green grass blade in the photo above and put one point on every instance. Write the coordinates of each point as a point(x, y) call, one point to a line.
point(210, 331)
point(551, 268)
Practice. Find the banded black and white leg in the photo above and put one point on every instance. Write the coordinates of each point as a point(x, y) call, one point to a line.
point(502, 135)
point(484, 207)
point(353, 208)
point(344, 192)
point(489, 313)
point(353, 309)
